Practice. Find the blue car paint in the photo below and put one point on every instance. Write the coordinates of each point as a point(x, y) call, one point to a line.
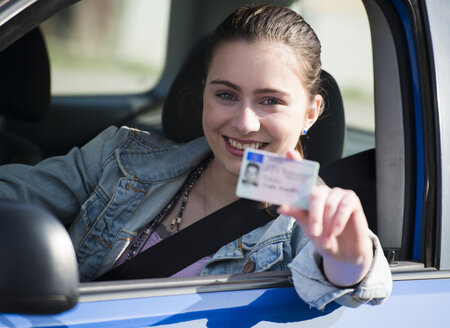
point(239, 308)
point(249, 308)
point(420, 165)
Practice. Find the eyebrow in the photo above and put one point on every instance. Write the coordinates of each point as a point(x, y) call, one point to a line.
point(237, 88)
point(270, 90)
point(226, 83)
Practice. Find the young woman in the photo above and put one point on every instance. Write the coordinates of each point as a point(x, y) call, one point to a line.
point(126, 190)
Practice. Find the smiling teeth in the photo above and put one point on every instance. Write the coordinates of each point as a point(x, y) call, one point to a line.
point(238, 145)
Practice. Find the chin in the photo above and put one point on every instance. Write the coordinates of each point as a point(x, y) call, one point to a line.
point(235, 167)
point(232, 166)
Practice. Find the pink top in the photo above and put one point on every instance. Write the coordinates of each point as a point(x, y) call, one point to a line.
point(192, 270)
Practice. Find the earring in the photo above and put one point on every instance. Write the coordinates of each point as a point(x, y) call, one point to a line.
point(304, 132)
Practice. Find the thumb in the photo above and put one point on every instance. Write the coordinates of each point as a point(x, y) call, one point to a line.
point(294, 154)
point(299, 214)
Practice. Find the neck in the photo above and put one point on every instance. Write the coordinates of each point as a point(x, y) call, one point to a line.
point(220, 186)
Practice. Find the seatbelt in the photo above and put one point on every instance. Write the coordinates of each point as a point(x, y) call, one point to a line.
point(196, 241)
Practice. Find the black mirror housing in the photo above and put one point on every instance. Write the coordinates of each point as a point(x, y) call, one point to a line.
point(39, 273)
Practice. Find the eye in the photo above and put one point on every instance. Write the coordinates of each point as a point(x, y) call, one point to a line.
point(271, 101)
point(226, 96)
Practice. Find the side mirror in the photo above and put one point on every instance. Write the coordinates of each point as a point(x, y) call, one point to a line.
point(39, 271)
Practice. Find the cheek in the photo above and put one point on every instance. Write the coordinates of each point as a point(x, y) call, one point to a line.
point(285, 129)
point(208, 116)
point(214, 116)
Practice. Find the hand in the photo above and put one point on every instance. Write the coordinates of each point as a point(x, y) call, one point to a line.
point(337, 226)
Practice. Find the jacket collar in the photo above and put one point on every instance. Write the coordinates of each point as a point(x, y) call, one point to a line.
point(276, 231)
point(167, 162)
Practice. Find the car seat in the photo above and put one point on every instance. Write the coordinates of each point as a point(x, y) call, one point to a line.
point(24, 94)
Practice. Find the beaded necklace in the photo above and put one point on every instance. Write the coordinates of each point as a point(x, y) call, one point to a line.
point(176, 222)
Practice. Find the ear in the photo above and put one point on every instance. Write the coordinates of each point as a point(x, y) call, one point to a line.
point(313, 111)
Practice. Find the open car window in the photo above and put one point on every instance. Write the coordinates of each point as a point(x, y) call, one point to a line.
point(344, 31)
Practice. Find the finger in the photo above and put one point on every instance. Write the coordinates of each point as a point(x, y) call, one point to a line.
point(348, 207)
point(362, 244)
point(332, 202)
point(316, 210)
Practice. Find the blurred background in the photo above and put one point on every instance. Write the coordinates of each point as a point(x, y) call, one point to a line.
point(114, 47)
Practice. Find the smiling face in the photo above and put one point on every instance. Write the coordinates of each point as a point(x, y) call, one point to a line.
point(254, 98)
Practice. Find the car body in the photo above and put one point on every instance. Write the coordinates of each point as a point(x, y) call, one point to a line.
point(411, 65)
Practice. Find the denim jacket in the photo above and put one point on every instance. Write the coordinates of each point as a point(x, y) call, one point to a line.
point(124, 177)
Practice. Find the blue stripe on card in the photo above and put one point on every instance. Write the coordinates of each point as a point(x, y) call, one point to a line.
point(254, 157)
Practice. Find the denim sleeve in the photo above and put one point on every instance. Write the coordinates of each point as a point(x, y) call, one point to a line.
point(313, 287)
point(61, 184)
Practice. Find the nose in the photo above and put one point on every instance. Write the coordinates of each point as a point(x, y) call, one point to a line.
point(246, 120)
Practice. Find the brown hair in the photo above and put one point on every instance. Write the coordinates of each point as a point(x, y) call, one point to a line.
point(274, 23)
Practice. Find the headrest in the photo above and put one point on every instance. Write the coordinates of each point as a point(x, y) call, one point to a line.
point(182, 112)
point(324, 141)
point(25, 78)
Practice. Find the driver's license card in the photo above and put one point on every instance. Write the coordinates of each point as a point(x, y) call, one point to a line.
point(269, 177)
